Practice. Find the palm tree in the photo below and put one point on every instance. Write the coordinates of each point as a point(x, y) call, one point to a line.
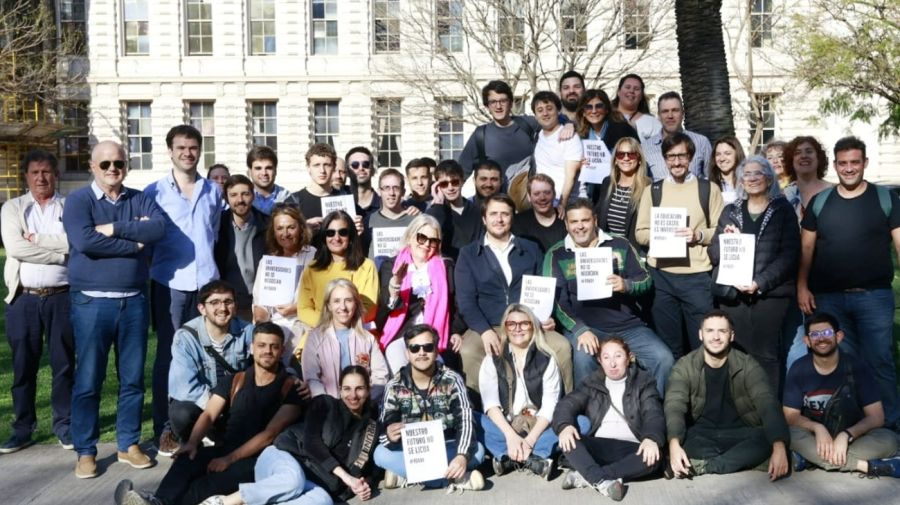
point(703, 67)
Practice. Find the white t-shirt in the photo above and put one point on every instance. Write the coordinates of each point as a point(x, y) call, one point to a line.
point(551, 155)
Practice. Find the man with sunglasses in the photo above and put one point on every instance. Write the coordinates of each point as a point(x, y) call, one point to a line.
point(361, 168)
point(108, 227)
point(670, 110)
point(459, 217)
point(183, 260)
point(813, 385)
point(426, 390)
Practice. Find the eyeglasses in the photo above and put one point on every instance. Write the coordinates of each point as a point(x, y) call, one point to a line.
point(518, 325)
point(415, 348)
point(752, 175)
point(821, 334)
point(344, 232)
point(105, 164)
point(448, 182)
point(678, 156)
point(218, 303)
point(356, 164)
point(499, 101)
point(391, 189)
point(421, 239)
point(594, 106)
point(626, 155)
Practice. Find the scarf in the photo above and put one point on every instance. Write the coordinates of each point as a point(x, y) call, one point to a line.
point(437, 302)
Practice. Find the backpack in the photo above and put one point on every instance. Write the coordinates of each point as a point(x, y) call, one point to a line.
point(238, 383)
point(479, 138)
point(702, 188)
point(884, 199)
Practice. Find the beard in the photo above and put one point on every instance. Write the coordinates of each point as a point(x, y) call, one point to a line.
point(717, 355)
point(824, 354)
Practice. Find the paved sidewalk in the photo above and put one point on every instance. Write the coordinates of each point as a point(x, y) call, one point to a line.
point(44, 475)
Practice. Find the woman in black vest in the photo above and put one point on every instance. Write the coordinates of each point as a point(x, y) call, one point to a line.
point(323, 459)
point(519, 390)
point(612, 426)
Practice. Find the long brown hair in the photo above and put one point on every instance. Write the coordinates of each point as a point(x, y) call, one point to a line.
point(582, 126)
point(292, 212)
point(715, 174)
point(641, 181)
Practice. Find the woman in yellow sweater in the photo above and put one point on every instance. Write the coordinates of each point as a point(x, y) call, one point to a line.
point(339, 255)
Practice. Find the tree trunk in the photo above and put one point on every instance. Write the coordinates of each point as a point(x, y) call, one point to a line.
point(704, 68)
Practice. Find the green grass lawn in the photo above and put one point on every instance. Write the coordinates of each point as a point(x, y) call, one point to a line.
point(108, 401)
point(44, 432)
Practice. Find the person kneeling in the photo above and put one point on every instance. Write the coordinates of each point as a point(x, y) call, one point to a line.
point(427, 390)
point(620, 406)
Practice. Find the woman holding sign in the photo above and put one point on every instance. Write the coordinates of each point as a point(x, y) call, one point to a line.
point(597, 121)
point(286, 237)
point(340, 341)
point(339, 255)
point(612, 427)
point(619, 195)
point(417, 288)
point(759, 304)
point(325, 458)
point(519, 390)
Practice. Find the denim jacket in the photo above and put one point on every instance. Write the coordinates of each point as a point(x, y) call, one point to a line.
point(192, 375)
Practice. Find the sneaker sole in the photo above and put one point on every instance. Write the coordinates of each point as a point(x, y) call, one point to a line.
point(10, 450)
point(167, 454)
point(86, 475)
point(133, 498)
point(133, 465)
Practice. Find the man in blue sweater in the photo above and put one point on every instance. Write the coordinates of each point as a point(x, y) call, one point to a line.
point(108, 227)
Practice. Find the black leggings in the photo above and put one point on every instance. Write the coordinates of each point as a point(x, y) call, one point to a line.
point(599, 459)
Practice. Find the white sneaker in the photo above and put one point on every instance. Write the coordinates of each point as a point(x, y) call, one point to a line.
point(393, 481)
point(470, 481)
point(613, 489)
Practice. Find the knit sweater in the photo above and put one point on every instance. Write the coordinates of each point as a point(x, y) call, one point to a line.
point(313, 283)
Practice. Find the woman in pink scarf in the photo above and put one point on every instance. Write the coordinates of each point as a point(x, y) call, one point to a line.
point(417, 288)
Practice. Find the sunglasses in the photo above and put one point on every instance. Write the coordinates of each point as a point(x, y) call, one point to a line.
point(821, 334)
point(626, 155)
point(356, 164)
point(518, 325)
point(105, 164)
point(594, 106)
point(449, 182)
point(344, 232)
point(421, 239)
point(415, 348)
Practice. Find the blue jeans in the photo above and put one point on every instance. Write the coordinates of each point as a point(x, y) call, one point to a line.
point(392, 460)
point(278, 478)
point(495, 440)
point(867, 318)
point(101, 323)
point(651, 353)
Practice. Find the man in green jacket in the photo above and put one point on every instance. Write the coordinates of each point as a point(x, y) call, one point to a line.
point(721, 415)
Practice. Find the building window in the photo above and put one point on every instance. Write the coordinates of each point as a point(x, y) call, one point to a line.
point(386, 14)
point(140, 138)
point(326, 121)
point(72, 28)
point(764, 113)
point(262, 27)
point(264, 124)
point(760, 22)
point(137, 27)
point(201, 116)
point(636, 23)
point(74, 149)
point(387, 132)
point(199, 27)
point(572, 23)
point(450, 129)
point(449, 17)
point(325, 26)
point(510, 26)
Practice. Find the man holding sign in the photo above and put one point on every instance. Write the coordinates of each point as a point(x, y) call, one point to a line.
point(391, 215)
point(320, 161)
point(586, 319)
point(426, 390)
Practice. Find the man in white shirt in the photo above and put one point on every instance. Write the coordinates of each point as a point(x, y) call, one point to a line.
point(560, 159)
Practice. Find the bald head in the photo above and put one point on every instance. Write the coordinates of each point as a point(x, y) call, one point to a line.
point(106, 147)
point(109, 166)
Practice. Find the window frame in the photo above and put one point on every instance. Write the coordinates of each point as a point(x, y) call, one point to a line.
point(198, 22)
point(138, 23)
point(264, 22)
point(144, 135)
point(262, 136)
point(326, 136)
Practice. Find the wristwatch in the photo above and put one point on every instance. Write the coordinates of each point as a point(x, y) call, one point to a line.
point(849, 436)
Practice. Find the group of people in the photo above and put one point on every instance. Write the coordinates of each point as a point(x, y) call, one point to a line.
point(306, 401)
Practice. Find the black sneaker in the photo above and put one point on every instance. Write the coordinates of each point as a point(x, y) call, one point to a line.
point(16, 443)
point(540, 466)
point(503, 465)
point(799, 462)
point(887, 467)
point(122, 489)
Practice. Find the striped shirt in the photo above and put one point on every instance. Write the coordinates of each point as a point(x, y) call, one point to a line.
point(618, 210)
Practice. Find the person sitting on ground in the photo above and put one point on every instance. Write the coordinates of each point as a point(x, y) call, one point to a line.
point(260, 402)
point(519, 390)
point(612, 427)
point(427, 390)
point(339, 341)
point(832, 405)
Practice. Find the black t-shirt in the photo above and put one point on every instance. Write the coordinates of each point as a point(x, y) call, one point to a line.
point(310, 205)
point(719, 410)
point(254, 406)
point(853, 242)
point(807, 390)
point(526, 225)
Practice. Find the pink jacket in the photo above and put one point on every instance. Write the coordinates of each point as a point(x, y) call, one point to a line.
point(321, 360)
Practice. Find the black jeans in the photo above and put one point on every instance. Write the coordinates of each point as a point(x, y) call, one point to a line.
point(188, 482)
point(680, 300)
point(598, 459)
point(727, 450)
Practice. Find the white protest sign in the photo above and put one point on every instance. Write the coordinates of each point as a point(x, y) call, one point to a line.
point(279, 282)
point(598, 161)
point(736, 256)
point(340, 202)
point(592, 266)
point(424, 453)
point(663, 223)
point(538, 295)
point(386, 241)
